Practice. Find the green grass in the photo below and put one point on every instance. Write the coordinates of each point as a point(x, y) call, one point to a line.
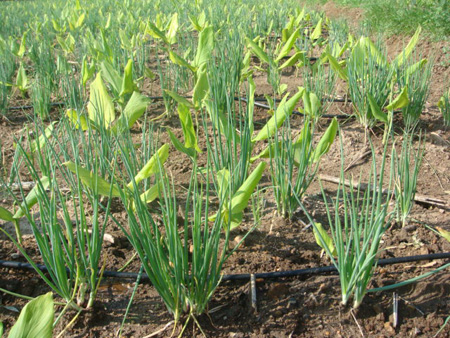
point(403, 16)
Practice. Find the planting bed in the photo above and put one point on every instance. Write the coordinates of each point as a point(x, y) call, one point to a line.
point(300, 306)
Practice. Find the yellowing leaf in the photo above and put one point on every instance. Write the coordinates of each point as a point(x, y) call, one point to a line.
point(78, 121)
point(326, 141)
point(444, 233)
point(32, 197)
point(400, 101)
point(94, 182)
point(323, 240)
point(100, 107)
point(152, 166)
point(190, 139)
point(284, 110)
point(317, 30)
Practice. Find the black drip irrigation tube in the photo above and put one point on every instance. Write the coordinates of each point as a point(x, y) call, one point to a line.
point(246, 276)
point(52, 104)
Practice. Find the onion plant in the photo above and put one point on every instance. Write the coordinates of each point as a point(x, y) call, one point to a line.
point(69, 238)
point(369, 75)
point(320, 80)
point(357, 227)
point(417, 78)
point(444, 107)
point(229, 143)
point(41, 96)
point(294, 163)
point(405, 169)
point(7, 69)
point(182, 259)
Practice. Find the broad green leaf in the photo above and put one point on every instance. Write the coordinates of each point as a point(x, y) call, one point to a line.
point(86, 72)
point(323, 239)
point(42, 140)
point(35, 319)
point(265, 153)
point(135, 108)
point(223, 181)
point(336, 66)
point(288, 45)
point(201, 87)
point(195, 22)
point(190, 139)
point(326, 141)
point(343, 49)
point(284, 110)
point(302, 145)
point(373, 50)
point(155, 32)
point(171, 34)
point(317, 32)
point(415, 67)
point(262, 56)
point(94, 182)
point(22, 79)
point(180, 99)
point(400, 101)
point(179, 146)
point(292, 60)
point(22, 48)
point(311, 103)
point(100, 107)
point(376, 110)
point(299, 18)
point(240, 199)
point(32, 197)
point(152, 166)
point(80, 20)
point(151, 194)
point(127, 86)
point(111, 76)
point(205, 46)
point(409, 48)
point(78, 121)
point(178, 60)
point(6, 215)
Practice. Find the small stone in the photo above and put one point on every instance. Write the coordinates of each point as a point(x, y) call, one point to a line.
point(15, 256)
point(410, 227)
point(238, 240)
point(277, 291)
point(323, 288)
point(278, 313)
point(377, 308)
point(388, 327)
